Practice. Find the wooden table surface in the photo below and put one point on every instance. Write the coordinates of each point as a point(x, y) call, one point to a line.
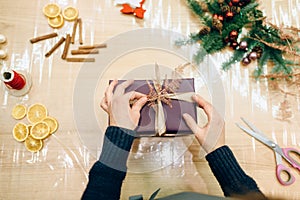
point(60, 170)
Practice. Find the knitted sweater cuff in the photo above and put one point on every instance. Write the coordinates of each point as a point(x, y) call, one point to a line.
point(116, 147)
point(229, 174)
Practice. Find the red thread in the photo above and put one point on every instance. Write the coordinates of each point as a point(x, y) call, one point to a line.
point(17, 83)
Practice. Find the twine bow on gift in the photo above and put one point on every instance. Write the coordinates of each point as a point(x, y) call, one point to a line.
point(164, 92)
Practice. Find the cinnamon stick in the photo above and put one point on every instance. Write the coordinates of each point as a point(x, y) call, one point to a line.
point(74, 31)
point(62, 39)
point(84, 51)
point(95, 46)
point(43, 37)
point(80, 59)
point(66, 48)
point(80, 30)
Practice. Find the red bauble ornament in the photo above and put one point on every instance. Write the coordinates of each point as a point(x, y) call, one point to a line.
point(233, 35)
point(246, 61)
point(235, 2)
point(215, 16)
point(229, 15)
point(234, 45)
point(221, 18)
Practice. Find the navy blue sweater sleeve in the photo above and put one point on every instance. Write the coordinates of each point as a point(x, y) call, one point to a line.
point(107, 175)
point(231, 177)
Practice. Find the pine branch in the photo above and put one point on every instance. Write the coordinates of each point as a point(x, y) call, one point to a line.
point(200, 54)
point(250, 7)
point(194, 5)
point(264, 57)
point(280, 64)
point(237, 55)
point(215, 36)
point(214, 7)
point(213, 42)
point(193, 38)
point(258, 72)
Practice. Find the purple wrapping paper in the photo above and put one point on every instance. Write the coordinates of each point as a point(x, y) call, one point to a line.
point(175, 124)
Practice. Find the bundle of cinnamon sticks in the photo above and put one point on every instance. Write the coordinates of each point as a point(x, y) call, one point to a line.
point(68, 40)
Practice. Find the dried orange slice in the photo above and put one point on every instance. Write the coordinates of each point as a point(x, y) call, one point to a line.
point(33, 144)
point(52, 123)
point(20, 132)
point(56, 22)
point(29, 128)
point(36, 113)
point(19, 112)
point(40, 130)
point(51, 10)
point(70, 13)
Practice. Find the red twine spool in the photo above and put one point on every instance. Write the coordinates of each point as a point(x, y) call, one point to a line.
point(18, 81)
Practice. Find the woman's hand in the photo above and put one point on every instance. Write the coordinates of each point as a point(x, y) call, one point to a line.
point(212, 135)
point(117, 105)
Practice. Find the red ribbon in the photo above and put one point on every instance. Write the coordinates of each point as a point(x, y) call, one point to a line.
point(138, 12)
point(17, 83)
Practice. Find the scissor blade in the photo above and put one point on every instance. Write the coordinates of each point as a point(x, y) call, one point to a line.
point(253, 127)
point(257, 136)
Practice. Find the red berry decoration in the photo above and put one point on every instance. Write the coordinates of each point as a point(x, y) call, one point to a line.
point(233, 35)
point(235, 2)
point(234, 45)
point(221, 18)
point(215, 16)
point(246, 61)
point(229, 15)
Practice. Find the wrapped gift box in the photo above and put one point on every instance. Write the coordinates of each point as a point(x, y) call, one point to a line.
point(174, 121)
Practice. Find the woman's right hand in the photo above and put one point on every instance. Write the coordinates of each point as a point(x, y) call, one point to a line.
point(212, 135)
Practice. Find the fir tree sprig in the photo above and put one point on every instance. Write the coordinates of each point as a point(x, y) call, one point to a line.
point(219, 18)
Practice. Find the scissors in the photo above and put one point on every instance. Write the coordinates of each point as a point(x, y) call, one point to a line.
point(279, 153)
